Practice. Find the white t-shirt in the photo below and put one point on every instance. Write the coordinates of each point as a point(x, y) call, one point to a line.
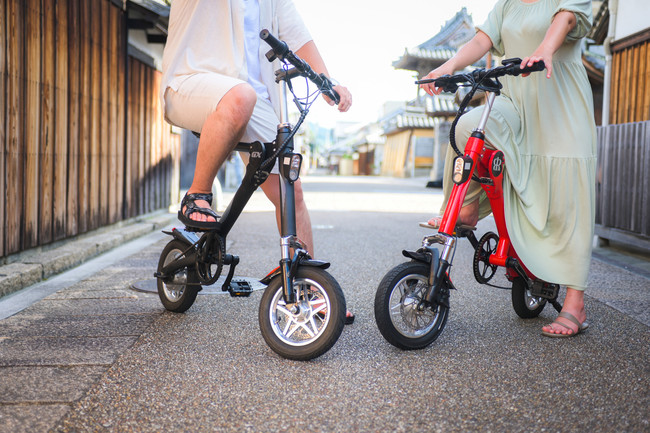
point(208, 36)
point(252, 46)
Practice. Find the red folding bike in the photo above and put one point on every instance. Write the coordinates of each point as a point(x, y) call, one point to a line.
point(412, 300)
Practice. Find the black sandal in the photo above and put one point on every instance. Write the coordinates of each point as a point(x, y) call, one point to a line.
point(190, 206)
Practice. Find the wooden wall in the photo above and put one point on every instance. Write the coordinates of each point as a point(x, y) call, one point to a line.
point(630, 91)
point(81, 132)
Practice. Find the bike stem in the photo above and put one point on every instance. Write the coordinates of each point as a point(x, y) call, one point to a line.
point(474, 150)
point(287, 214)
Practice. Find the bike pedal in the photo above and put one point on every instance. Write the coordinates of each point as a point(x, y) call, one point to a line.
point(240, 288)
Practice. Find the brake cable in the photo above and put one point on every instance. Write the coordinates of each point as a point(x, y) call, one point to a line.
point(303, 105)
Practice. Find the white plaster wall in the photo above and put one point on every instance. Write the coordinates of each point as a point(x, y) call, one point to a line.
point(138, 38)
point(632, 17)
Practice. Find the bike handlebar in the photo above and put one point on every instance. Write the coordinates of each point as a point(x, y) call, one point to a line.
point(449, 83)
point(280, 50)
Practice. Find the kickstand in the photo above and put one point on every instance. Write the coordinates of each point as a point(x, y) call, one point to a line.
point(233, 261)
point(556, 305)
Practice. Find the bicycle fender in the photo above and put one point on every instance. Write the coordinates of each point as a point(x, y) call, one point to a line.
point(307, 262)
point(190, 238)
point(418, 256)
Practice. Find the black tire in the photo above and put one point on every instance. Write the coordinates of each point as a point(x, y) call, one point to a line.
point(177, 293)
point(321, 312)
point(396, 313)
point(526, 305)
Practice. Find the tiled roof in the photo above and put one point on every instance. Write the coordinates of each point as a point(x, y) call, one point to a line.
point(440, 105)
point(440, 48)
point(448, 36)
point(153, 6)
point(600, 26)
point(418, 54)
point(410, 120)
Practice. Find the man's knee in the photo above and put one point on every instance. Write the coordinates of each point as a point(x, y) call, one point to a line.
point(238, 104)
point(271, 189)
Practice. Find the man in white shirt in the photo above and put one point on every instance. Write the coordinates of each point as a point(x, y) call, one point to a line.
point(217, 81)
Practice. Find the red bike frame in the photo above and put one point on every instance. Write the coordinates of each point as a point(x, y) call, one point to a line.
point(488, 164)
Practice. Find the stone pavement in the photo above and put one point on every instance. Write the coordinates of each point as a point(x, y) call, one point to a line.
point(88, 353)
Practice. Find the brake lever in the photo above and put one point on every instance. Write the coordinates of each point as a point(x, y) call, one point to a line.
point(446, 86)
point(328, 89)
point(286, 74)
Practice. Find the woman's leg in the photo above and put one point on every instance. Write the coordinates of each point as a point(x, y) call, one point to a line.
point(469, 213)
point(574, 304)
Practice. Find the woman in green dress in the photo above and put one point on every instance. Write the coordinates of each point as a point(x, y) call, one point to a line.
point(544, 124)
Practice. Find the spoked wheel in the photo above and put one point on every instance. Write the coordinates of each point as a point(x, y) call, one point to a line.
point(311, 326)
point(397, 308)
point(525, 304)
point(177, 293)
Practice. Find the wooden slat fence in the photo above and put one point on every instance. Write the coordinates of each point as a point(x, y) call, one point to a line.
point(630, 91)
point(623, 184)
point(83, 143)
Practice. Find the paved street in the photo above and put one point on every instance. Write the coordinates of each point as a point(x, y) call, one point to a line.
point(98, 356)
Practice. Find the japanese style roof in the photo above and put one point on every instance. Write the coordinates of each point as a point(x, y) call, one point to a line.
point(598, 31)
point(454, 33)
point(409, 117)
point(442, 105)
point(151, 16)
point(153, 6)
point(440, 48)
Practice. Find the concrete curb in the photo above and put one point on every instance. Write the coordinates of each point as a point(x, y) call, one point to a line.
point(34, 266)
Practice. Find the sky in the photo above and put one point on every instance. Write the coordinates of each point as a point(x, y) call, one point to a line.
point(360, 39)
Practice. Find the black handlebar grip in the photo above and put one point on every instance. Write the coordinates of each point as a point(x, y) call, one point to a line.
point(537, 66)
point(279, 47)
point(335, 97)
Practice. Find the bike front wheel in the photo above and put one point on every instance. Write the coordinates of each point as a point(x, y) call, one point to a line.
point(311, 326)
point(401, 318)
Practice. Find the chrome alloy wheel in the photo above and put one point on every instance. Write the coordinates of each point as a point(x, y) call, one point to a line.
point(533, 302)
point(407, 318)
point(301, 323)
point(176, 287)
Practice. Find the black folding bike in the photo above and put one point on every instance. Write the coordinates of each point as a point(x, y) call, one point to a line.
point(302, 310)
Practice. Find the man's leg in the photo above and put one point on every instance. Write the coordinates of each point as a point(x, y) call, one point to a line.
point(303, 223)
point(221, 132)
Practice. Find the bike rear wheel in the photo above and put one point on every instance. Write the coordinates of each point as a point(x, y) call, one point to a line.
point(311, 326)
point(178, 292)
point(399, 318)
point(525, 304)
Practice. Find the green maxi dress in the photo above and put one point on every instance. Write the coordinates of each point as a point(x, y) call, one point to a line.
point(545, 127)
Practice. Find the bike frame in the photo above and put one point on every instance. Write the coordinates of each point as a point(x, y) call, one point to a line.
point(488, 164)
point(289, 171)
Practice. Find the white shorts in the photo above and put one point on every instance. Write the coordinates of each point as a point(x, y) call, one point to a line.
point(198, 96)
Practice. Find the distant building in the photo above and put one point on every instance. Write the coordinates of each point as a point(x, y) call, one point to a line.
point(416, 134)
